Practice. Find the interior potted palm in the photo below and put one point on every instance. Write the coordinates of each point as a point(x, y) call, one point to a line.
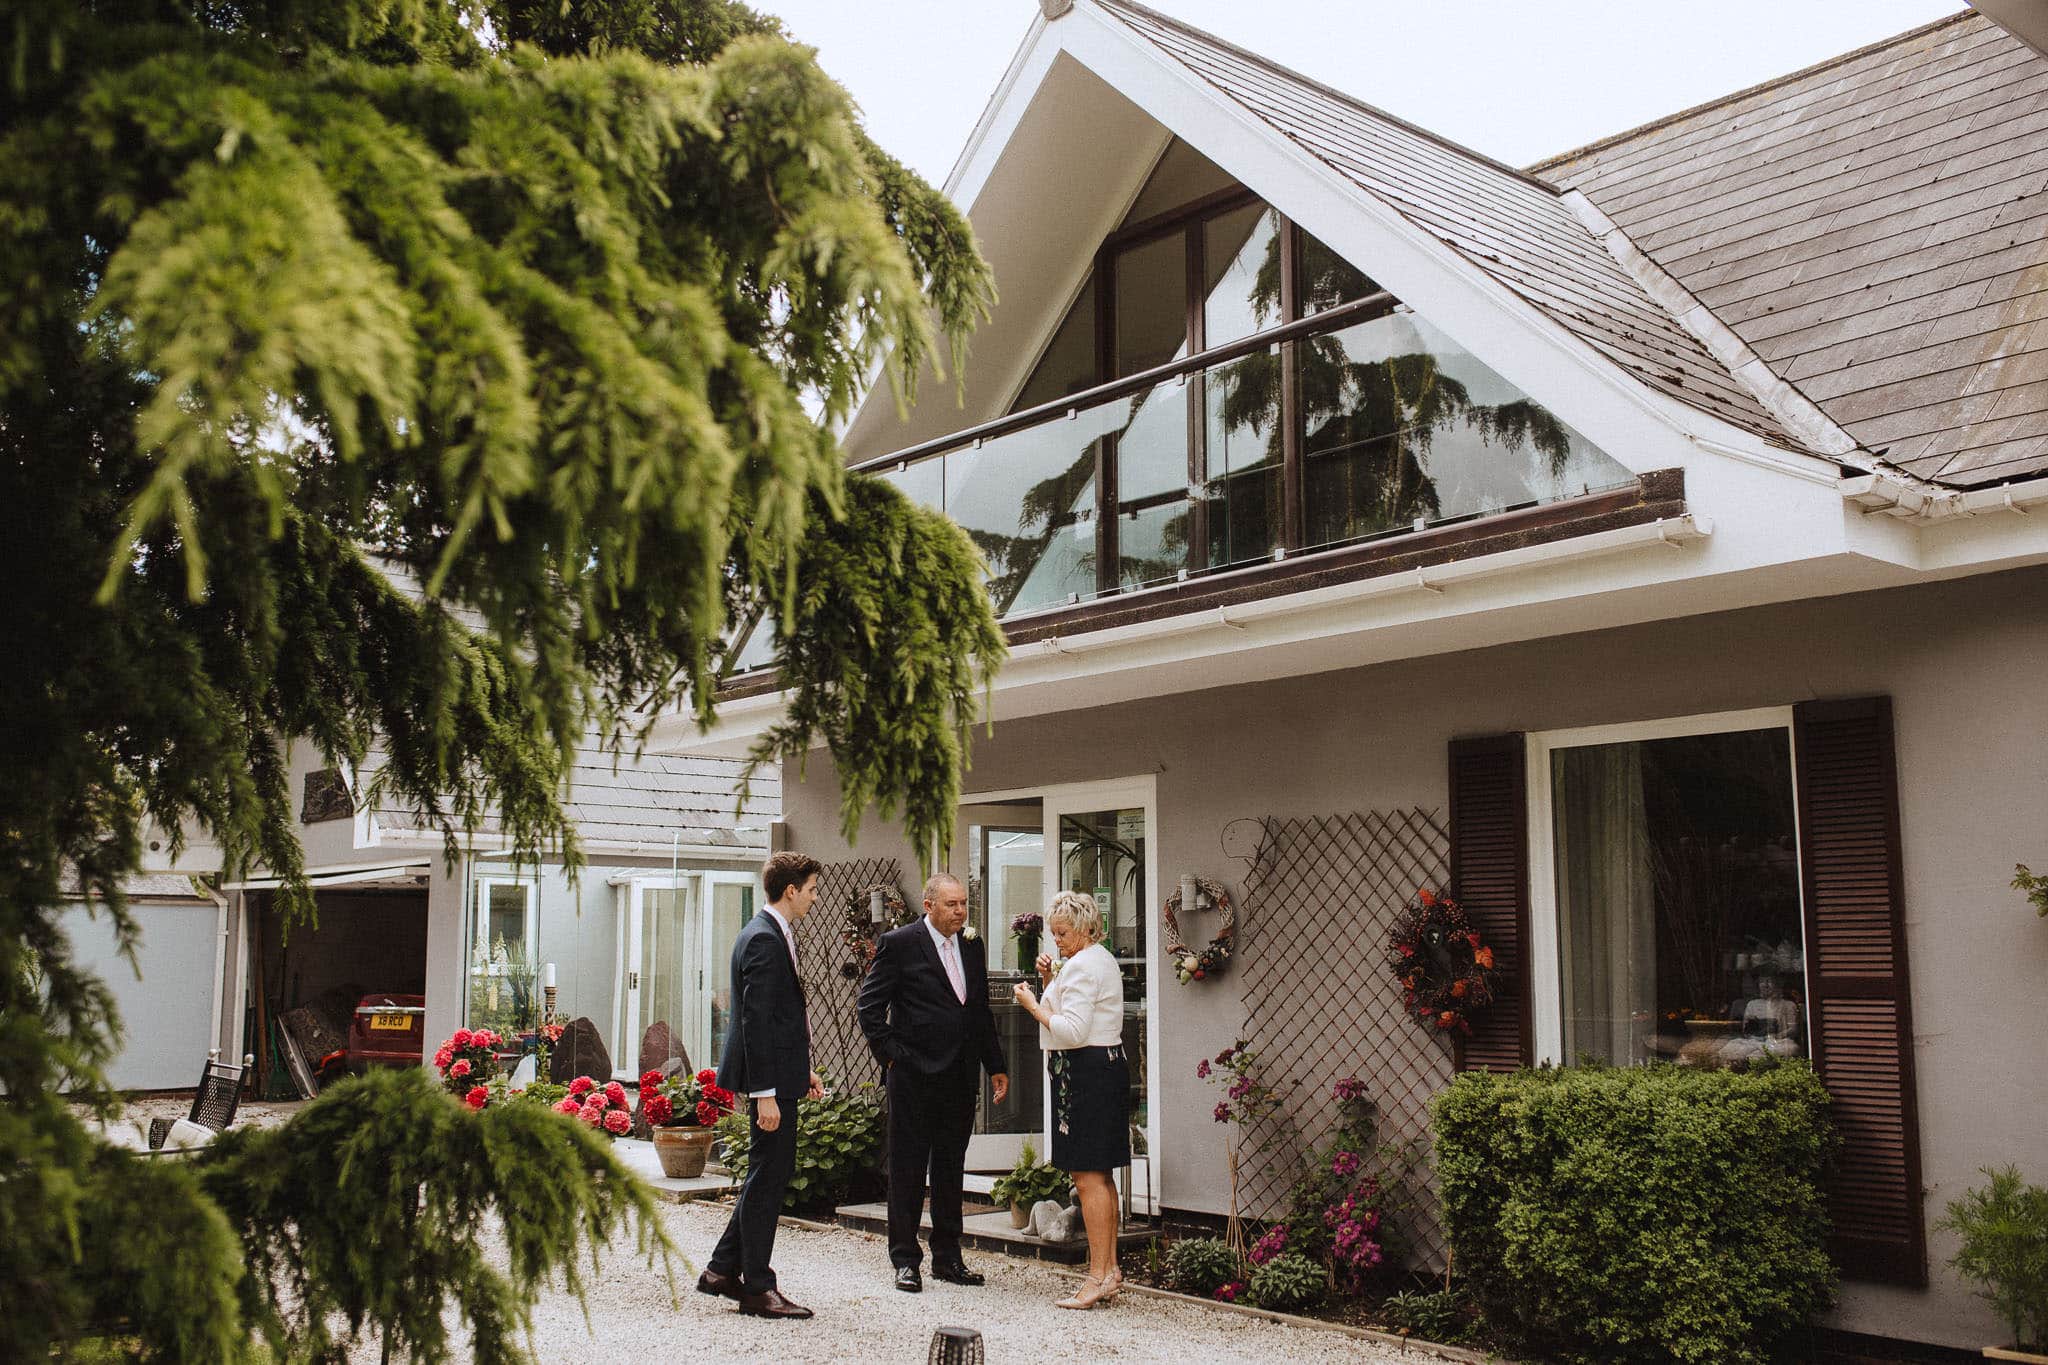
point(680, 1110)
point(2003, 1227)
point(1029, 1181)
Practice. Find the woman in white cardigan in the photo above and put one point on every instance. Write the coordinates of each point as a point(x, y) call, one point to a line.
point(1081, 1028)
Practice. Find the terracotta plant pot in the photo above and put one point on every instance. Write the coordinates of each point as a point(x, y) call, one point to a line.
point(682, 1151)
point(1019, 1216)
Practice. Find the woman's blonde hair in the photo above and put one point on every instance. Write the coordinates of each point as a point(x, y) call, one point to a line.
point(1080, 910)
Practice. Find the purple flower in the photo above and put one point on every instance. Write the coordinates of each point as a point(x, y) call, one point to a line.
point(1344, 1164)
point(1229, 1292)
point(1223, 1113)
point(1240, 1087)
point(1269, 1246)
point(1348, 1088)
point(1223, 1057)
point(1202, 1069)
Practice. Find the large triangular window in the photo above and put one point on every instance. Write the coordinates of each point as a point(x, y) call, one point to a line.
point(1236, 392)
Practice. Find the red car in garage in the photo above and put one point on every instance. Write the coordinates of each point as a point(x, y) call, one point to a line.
point(387, 1030)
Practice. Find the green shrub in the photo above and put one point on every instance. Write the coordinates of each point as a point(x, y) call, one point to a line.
point(1444, 1317)
point(1289, 1283)
point(2004, 1232)
point(1200, 1265)
point(838, 1140)
point(1031, 1180)
point(1649, 1214)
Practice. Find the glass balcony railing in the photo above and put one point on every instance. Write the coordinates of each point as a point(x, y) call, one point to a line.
point(1391, 425)
point(1359, 423)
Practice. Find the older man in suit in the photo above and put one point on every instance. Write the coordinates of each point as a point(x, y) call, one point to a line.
point(924, 1008)
point(767, 1059)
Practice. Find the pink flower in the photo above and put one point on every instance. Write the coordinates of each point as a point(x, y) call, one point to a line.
point(1344, 1164)
point(1223, 1113)
point(442, 1058)
point(1229, 1292)
point(460, 1069)
point(617, 1121)
point(463, 1037)
point(615, 1092)
point(569, 1107)
point(1202, 1069)
point(582, 1086)
point(477, 1097)
point(592, 1112)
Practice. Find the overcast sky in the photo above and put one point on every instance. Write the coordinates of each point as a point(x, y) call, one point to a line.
point(1516, 79)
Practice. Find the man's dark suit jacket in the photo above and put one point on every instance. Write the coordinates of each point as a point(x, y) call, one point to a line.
point(770, 1042)
point(909, 1014)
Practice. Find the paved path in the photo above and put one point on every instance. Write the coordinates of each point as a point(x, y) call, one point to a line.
point(845, 1277)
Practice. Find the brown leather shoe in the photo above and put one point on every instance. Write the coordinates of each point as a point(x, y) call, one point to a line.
point(718, 1285)
point(771, 1304)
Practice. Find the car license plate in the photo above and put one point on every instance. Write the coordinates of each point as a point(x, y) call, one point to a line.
point(396, 1022)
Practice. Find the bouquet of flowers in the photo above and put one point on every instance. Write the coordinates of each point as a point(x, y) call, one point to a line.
point(603, 1107)
point(467, 1062)
point(683, 1100)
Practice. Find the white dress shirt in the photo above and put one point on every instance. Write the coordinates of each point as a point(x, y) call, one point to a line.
point(949, 958)
point(1085, 1002)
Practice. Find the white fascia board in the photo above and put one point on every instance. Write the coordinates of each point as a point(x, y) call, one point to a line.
point(1627, 419)
point(999, 118)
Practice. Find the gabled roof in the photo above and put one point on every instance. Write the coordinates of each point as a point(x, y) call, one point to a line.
point(1876, 229)
point(1510, 225)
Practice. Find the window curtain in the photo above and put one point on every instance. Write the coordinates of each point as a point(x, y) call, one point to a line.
point(1606, 902)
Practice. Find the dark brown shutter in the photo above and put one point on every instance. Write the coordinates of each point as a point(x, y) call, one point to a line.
point(1860, 1010)
point(1490, 878)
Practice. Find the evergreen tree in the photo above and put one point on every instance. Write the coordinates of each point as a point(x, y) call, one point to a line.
point(551, 307)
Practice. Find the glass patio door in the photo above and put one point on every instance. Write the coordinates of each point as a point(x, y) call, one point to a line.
point(999, 853)
point(676, 963)
point(1100, 840)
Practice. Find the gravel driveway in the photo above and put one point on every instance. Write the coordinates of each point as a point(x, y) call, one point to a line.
point(845, 1277)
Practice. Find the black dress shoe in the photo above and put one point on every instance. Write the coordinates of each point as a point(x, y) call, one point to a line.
point(771, 1304)
point(957, 1274)
point(908, 1280)
point(718, 1284)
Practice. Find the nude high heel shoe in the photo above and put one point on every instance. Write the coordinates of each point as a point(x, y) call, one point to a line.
point(1087, 1296)
point(1110, 1285)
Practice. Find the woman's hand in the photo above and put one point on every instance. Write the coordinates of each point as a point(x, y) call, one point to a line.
point(1045, 969)
point(1029, 1002)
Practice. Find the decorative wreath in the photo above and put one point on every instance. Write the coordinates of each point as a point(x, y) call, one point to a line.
point(1188, 964)
point(858, 931)
point(1445, 971)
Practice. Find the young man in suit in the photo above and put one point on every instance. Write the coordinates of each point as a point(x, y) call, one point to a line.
point(924, 1008)
point(767, 1059)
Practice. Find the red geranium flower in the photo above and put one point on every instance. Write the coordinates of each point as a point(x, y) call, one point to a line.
point(657, 1109)
point(477, 1097)
point(615, 1092)
point(616, 1122)
point(650, 1079)
point(707, 1113)
point(581, 1086)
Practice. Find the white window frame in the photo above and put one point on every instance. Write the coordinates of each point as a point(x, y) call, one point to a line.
point(625, 1028)
point(480, 916)
point(1546, 978)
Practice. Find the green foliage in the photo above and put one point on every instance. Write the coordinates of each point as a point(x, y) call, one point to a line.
point(1201, 1265)
point(329, 327)
point(373, 1206)
point(2003, 1227)
point(1031, 1180)
point(1444, 1317)
point(1289, 1283)
point(839, 1140)
point(2036, 888)
point(1650, 1214)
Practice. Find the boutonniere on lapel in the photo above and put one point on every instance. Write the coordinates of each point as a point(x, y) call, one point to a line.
point(970, 933)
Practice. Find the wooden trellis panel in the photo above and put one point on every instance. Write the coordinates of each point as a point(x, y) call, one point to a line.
point(837, 1047)
point(1320, 1004)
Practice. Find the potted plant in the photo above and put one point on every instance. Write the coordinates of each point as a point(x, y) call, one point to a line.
point(2003, 1227)
point(1029, 1181)
point(604, 1107)
point(468, 1060)
point(681, 1109)
point(1027, 927)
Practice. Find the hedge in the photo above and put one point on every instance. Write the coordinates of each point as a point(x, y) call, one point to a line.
point(1646, 1214)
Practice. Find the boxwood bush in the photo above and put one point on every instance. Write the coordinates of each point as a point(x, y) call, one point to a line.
point(1201, 1265)
point(1647, 1214)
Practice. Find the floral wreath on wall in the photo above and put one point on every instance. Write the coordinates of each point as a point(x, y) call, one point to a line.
point(1444, 969)
point(1188, 964)
point(858, 930)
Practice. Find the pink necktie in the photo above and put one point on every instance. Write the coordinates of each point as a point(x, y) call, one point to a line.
point(951, 957)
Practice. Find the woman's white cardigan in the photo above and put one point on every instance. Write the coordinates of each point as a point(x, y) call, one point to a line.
point(1085, 1002)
